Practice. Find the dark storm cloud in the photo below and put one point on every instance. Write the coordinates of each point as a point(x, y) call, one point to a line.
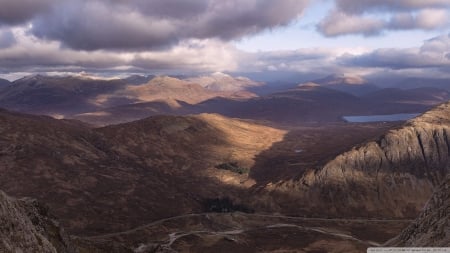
point(18, 11)
point(121, 24)
point(350, 16)
point(430, 55)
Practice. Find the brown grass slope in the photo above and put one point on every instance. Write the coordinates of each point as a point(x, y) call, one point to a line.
point(114, 178)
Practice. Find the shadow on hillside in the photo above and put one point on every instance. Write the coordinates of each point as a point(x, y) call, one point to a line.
point(309, 147)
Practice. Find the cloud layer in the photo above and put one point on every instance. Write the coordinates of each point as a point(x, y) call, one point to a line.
point(359, 17)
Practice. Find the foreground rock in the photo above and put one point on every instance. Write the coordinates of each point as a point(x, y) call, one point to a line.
point(431, 228)
point(25, 226)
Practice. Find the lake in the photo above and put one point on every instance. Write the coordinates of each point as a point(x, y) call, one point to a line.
point(377, 118)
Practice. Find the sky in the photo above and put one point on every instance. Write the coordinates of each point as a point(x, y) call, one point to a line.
point(398, 38)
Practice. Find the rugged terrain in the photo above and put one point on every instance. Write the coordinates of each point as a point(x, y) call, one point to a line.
point(26, 226)
point(391, 176)
point(111, 101)
point(432, 227)
point(99, 180)
point(316, 186)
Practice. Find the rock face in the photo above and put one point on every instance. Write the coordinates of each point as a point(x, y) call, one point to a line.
point(25, 226)
point(431, 228)
point(390, 177)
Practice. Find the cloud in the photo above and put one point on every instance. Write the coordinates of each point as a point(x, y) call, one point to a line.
point(190, 56)
point(372, 17)
point(314, 60)
point(427, 19)
point(7, 38)
point(152, 24)
point(340, 23)
point(20, 11)
point(31, 54)
point(432, 54)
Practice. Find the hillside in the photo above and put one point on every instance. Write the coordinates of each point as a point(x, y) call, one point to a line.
point(392, 176)
point(114, 178)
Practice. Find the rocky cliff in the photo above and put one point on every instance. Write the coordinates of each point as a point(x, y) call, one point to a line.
point(25, 226)
point(392, 176)
point(432, 227)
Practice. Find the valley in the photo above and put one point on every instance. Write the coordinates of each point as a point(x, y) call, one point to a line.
point(242, 177)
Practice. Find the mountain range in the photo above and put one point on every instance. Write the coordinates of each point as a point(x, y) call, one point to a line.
point(107, 101)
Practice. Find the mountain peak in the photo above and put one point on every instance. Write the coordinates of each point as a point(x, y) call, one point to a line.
point(339, 79)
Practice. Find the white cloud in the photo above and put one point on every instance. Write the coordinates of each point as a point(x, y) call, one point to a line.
point(340, 23)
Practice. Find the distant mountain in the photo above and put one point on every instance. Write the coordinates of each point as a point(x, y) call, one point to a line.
point(223, 82)
point(138, 79)
point(355, 85)
point(4, 83)
point(411, 83)
point(390, 176)
point(307, 103)
point(170, 88)
point(66, 96)
point(302, 104)
point(423, 95)
point(55, 95)
point(432, 227)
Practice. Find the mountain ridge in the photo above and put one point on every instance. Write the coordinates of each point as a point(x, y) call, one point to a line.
point(402, 166)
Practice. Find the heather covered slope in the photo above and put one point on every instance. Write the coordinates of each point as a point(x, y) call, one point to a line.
point(432, 227)
point(117, 177)
point(392, 176)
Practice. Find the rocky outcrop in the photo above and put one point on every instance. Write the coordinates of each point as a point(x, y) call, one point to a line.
point(390, 177)
point(25, 226)
point(432, 227)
